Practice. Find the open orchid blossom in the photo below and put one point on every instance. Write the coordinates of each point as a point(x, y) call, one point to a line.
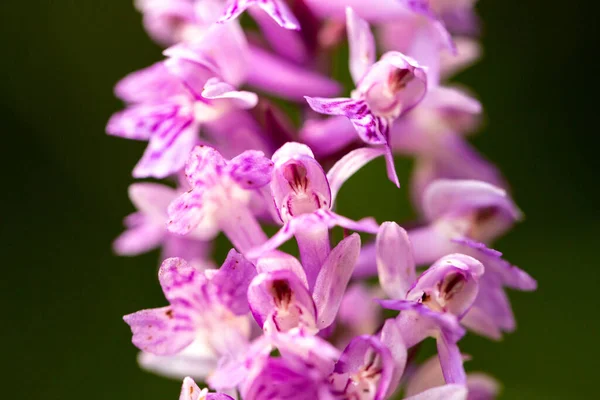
point(281, 299)
point(384, 89)
point(147, 228)
point(226, 118)
point(304, 194)
point(207, 309)
point(461, 209)
point(220, 197)
point(448, 288)
point(186, 94)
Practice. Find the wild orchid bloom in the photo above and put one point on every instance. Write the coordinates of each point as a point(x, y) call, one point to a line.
point(191, 391)
point(280, 296)
point(491, 313)
point(166, 106)
point(429, 374)
point(220, 197)
point(147, 228)
point(459, 209)
point(447, 289)
point(371, 366)
point(384, 89)
point(303, 196)
point(207, 315)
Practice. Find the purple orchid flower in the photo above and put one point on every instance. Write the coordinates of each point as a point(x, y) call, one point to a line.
point(371, 366)
point(220, 197)
point(208, 313)
point(458, 209)
point(491, 313)
point(429, 375)
point(304, 195)
point(301, 371)
point(308, 367)
point(280, 296)
point(276, 9)
point(147, 228)
point(447, 290)
point(385, 89)
point(167, 108)
point(191, 391)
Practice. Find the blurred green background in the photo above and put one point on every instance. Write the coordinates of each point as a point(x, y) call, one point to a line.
point(65, 186)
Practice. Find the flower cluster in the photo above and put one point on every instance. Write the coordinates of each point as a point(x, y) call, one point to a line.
point(266, 324)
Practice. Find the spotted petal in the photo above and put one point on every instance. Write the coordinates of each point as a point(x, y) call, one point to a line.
point(370, 128)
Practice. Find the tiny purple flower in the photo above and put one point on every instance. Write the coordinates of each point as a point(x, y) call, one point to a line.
point(207, 308)
point(220, 197)
point(304, 195)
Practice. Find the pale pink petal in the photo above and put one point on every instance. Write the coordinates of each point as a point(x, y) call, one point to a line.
point(203, 165)
point(139, 239)
point(361, 43)
point(395, 261)
point(217, 89)
point(187, 212)
point(451, 360)
point(251, 169)
point(326, 136)
point(288, 43)
point(333, 278)
point(286, 79)
point(161, 331)
point(152, 199)
point(167, 151)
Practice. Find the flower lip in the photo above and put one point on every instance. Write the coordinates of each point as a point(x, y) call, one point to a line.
point(295, 173)
point(299, 185)
point(449, 286)
point(281, 292)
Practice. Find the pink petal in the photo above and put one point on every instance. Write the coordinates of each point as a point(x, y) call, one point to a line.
point(395, 261)
point(161, 331)
point(362, 45)
point(333, 278)
point(217, 89)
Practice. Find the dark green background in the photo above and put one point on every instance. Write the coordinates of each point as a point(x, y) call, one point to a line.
point(65, 181)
